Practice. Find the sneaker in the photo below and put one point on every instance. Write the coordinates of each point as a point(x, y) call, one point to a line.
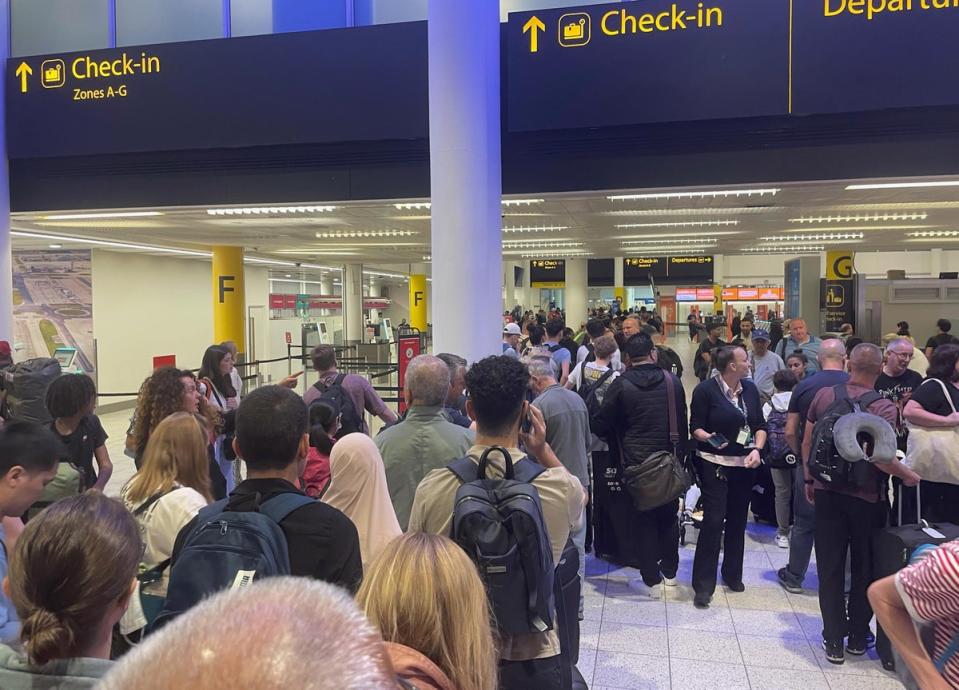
point(857, 645)
point(670, 581)
point(788, 582)
point(782, 541)
point(701, 601)
point(834, 653)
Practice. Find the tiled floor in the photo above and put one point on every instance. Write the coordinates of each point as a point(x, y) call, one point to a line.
point(761, 639)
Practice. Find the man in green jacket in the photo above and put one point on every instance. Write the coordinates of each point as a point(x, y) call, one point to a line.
point(425, 440)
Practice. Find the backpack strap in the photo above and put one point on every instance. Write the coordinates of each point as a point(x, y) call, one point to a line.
point(868, 399)
point(527, 471)
point(464, 469)
point(147, 504)
point(280, 506)
point(673, 421)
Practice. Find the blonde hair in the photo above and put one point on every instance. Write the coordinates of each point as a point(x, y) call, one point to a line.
point(423, 592)
point(175, 454)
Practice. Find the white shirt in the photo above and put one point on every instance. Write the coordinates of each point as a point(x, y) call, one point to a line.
point(615, 361)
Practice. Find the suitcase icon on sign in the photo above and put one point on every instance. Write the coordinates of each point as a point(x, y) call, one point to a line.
point(575, 29)
point(53, 74)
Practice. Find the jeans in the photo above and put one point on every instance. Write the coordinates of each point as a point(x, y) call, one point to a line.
point(845, 523)
point(535, 674)
point(803, 534)
point(783, 481)
point(726, 495)
point(658, 534)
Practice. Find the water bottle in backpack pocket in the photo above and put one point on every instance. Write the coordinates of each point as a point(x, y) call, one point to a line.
point(499, 524)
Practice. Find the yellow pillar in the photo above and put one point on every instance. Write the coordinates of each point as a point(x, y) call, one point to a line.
point(717, 298)
point(620, 292)
point(418, 301)
point(229, 296)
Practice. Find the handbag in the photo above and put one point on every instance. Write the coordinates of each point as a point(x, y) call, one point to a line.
point(663, 476)
point(933, 453)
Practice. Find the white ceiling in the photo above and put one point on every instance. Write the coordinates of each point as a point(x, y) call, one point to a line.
point(393, 236)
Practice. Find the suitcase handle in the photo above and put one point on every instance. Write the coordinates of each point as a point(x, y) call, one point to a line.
point(922, 524)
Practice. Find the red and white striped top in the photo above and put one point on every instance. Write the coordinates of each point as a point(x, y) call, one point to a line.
point(930, 591)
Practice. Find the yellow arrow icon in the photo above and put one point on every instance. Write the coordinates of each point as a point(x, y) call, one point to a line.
point(533, 27)
point(24, 71)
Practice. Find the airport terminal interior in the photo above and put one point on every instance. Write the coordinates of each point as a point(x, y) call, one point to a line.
point(396, 178)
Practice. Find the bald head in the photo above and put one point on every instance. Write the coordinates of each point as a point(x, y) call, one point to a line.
point(293, 633)
point(865, 361)
point(832, 354)
point(427, 381)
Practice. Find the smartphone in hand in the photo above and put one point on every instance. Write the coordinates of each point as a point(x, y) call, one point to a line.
point(717, 441)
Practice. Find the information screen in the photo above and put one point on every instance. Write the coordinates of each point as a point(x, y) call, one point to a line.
point(547, 273)
point(638, 270)
point(690, 270)
point(601, 272)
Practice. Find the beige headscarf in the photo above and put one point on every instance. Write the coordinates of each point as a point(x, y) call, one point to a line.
point(358, 489)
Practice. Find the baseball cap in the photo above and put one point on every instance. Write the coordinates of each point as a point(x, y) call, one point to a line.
point(761, 334)
point(512, 329)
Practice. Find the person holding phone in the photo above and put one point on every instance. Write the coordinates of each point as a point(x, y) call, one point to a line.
point(728, 424)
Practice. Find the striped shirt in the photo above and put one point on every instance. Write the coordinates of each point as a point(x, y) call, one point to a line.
point(930, 591)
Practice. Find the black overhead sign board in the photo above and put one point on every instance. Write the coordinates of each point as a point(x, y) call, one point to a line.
point(362, 84)
point(679, 60)
point(668, 270)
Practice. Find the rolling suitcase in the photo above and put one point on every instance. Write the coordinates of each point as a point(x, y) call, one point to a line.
point(892, 548)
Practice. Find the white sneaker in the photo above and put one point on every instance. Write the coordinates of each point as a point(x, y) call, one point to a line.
point(782, 541)
point(670, 581)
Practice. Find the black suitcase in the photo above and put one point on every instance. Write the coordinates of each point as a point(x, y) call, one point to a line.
point(567, 588)
point(764, 496)
point(892, 548)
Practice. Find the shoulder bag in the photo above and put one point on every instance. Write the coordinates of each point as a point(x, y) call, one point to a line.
point(933, 453)
point(663, 476)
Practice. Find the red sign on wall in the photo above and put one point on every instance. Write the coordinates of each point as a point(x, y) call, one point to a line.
point(409, 347)
point(164, 361)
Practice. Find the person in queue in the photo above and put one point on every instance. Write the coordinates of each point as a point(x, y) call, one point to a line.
point(296, 633)
point(426, 440)
point(511, 335)
point(703, 360)
point(596, 329)
point(798, 364)
point(728, 424)
point(324, 424)
point(72, 575)
point(783, 477)
point(29, 455)
point(929, 407)
point(358, 490)
point(429, 603)
point(555, 329)
point(943, 336)
point(235, 378)
point(745, 337)
point(764, 364)
point(845, 517)
point(801, 339)
point(635, 417)
point(71, 400)
point(897, 382)
point(359, 391)
point(497, 402)
point(214, 376)
point(832, 372)
point(272, 438)
point(455, 406)
point(171, 487)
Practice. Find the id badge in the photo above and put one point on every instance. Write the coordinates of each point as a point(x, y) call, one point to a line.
point(745, 437)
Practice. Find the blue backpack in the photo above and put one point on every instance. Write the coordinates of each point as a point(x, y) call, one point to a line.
point(228, 549)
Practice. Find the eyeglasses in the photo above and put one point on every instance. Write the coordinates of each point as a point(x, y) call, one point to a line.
point(907, 356)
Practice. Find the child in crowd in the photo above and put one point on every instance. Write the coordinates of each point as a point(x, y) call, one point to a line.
point(775, 412)
point(71, 400)
point(324, 423)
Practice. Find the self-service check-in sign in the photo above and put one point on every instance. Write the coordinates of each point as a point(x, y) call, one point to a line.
point(575, 29)
point(53, 74)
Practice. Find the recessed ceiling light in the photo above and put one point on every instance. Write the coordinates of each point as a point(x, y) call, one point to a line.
point(710, 194)
point(649, 250)
point(694, 251)
point(289, 275)
point(667, 235)
point(418, 206)
point(653, 212)
point(537, 228)
point(88, 216)
point(680, 224)
point(428, 257)
point(840, 228)
point(268, 210)
point(558, 254)
point(785, 249)
point(861, 218)
point(522, 202)
point(903, 185)
point(56, 246)
point(699, 240)
point(822, 237)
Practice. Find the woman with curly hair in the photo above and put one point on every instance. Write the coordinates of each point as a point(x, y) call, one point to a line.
point(167, 391)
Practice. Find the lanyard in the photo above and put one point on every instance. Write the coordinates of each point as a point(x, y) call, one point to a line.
point(739, 404)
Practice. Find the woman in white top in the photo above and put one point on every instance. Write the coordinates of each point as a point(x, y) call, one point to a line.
point(358, 489)
point(173, 484)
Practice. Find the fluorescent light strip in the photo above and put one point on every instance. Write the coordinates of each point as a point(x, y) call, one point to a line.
point(358, 234)
point(667, 235)
point(537, 228)
point(108, 243)
point(857, 228)
point(268, 210)
point(702, 240)
point(796, 249)
point(91, 216)
point(680, 224)
point(522, 202)
point(861, 218)
point(903, 185)
point(824, 237)
point(417, 206)
point(694, 251)
point(545, 240)
point(934, 233)
point(713, 194)
point(749, 210)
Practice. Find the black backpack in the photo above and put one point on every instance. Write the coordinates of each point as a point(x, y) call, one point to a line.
point(499, 524)
point(336, 397)
point(589, 392)
point(825, 463)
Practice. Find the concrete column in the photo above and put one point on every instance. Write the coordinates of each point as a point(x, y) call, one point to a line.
point(509, 290)
point(719, 269)
point(353, 325)
point(376, 288)
point(577, 293)
point(229, 296)
point(465, 164)
point(6, 257)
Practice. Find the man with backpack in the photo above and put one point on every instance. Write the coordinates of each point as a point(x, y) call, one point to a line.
point(497, 387)
point(850, 506)
point(555, 330)
point(350, 395)
point(267, 526)
point(634, 417)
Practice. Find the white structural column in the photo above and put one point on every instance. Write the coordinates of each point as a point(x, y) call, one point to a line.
point(465, 169)
point(935, 262)
point(576, 297)
point(353, 325)
point(6, 258)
